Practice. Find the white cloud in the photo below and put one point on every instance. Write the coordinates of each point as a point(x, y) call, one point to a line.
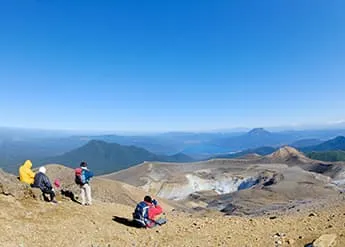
point(342, 121)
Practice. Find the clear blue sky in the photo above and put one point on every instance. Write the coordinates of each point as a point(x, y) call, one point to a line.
point(171, 65)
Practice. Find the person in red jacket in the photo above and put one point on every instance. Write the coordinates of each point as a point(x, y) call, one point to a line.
point(146, 212)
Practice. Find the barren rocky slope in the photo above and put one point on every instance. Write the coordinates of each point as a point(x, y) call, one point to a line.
point(281, 180)
point(31, 223)
point(276, 201)
point(104, 190)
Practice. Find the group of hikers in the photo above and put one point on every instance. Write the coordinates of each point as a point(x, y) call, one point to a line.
point(145, 212)
point(38, 180)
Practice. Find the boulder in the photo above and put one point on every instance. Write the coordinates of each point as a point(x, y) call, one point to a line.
point(37, 194)
point(11, 186)
point(326, 240)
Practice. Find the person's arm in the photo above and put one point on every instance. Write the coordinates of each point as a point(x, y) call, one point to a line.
point(47, 183)
point(154, 211)
point(31, 173)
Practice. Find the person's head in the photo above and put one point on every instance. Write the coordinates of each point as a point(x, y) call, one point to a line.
point(28, 164)
point(148, 199)
point(42, 169)
point(83, 164)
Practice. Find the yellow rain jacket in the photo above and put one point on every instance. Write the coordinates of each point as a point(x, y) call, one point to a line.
point(26, 175)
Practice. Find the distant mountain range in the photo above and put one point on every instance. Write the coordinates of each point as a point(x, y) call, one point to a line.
point(335, 144)
point(306, 143)
point(331, 150)
point(19, 145)
point(106, 157)
point(253, 139)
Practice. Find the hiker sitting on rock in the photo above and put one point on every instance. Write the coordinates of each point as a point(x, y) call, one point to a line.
point(42, 181)
point(26, 175)
point(146, 212)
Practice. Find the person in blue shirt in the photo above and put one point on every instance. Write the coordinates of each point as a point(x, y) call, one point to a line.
point(83, 179)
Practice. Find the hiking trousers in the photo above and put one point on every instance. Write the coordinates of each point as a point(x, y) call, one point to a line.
point(50, 192)
point(85, 194)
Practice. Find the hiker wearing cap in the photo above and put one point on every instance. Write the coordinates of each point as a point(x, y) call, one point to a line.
point(41, 181)
point(82, 178)
point(146, 212)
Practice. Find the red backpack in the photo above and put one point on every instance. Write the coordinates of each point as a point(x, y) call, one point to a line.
point(78, 176)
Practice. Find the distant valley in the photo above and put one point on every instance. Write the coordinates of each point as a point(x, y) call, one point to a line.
point(109, 153)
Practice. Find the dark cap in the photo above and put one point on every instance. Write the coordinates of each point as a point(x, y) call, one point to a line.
point(83, 164)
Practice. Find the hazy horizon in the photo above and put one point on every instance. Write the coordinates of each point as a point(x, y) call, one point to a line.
point(303, 127)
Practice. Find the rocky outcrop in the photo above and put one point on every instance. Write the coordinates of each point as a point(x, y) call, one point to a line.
point(11, 186)
point(326, 240)
point(288, 155)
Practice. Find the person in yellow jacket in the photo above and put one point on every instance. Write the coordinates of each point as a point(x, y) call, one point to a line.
point(26, 175)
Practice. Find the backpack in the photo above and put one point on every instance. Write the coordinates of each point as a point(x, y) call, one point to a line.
point(79, 177)
point(141, 213)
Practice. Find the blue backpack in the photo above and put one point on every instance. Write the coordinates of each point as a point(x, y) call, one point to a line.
point(141, 213)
